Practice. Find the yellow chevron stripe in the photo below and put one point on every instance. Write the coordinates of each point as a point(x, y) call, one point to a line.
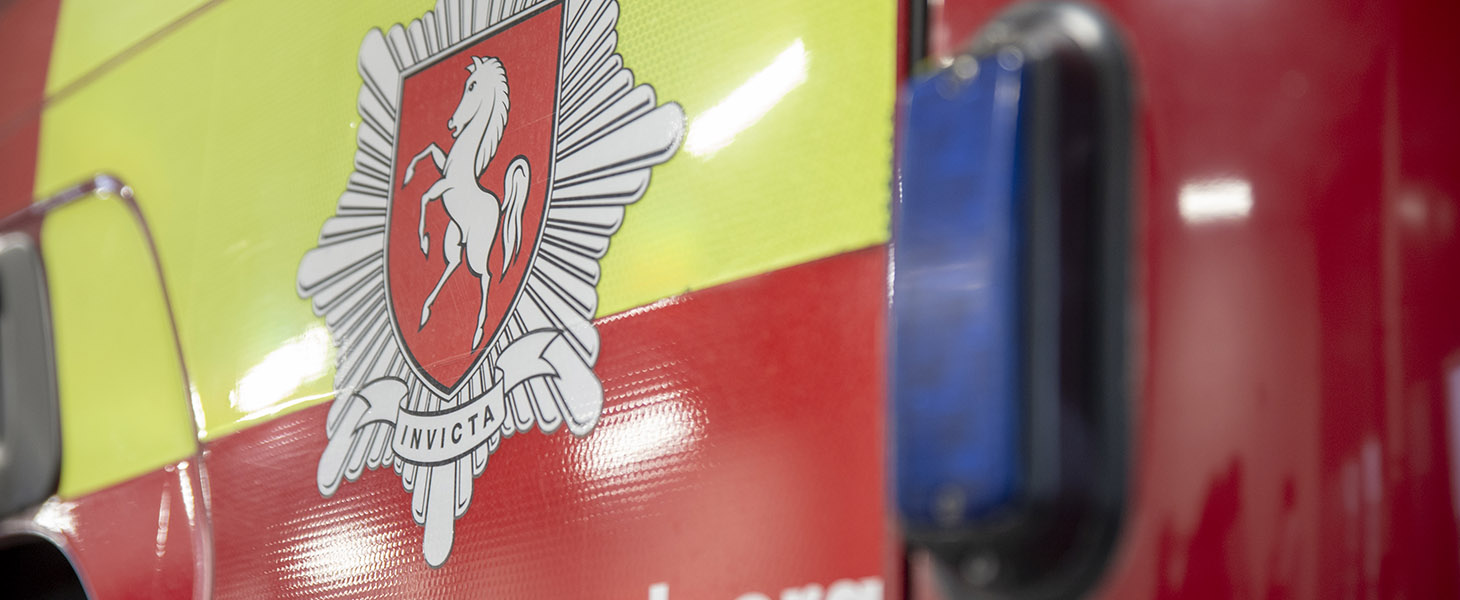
point(237, 132)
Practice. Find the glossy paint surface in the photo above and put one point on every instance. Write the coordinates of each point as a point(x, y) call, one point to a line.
point(143, 538)
point(1297, 190)
point(739, 451)
point(747, 364)
point(237, 125)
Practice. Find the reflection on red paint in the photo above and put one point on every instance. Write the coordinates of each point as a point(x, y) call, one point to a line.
point(143, 538)
point(739, 451)
point(1297, 195)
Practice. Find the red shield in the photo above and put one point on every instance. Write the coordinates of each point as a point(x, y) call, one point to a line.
point(467, 225)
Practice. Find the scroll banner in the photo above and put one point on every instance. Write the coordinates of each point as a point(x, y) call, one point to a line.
point(439, 437)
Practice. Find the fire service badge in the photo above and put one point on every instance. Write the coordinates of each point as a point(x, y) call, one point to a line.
point(498, 145)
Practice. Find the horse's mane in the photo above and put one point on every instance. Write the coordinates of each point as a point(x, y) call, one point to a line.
point(496, 76)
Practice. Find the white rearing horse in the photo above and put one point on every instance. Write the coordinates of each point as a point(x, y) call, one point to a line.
point(476, 130)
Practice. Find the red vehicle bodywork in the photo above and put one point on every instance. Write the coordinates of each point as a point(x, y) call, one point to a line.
point(1291, 431)
point(1292, 420)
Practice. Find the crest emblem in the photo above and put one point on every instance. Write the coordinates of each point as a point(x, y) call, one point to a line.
point(497, 150)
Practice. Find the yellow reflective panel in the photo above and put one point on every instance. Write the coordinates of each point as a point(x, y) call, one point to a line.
point(91, 32)
point(124, 408)
point(240, 127)
point(786, 157)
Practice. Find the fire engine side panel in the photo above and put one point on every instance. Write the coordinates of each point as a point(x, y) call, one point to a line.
point(238, 126)
point(740, 307)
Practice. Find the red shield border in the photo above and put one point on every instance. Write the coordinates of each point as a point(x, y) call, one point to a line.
point(541, 187)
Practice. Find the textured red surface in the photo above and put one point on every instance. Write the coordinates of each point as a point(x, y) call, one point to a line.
point(26, 31)
point(135, 539)
point(740, 450)
point(1290, 422)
